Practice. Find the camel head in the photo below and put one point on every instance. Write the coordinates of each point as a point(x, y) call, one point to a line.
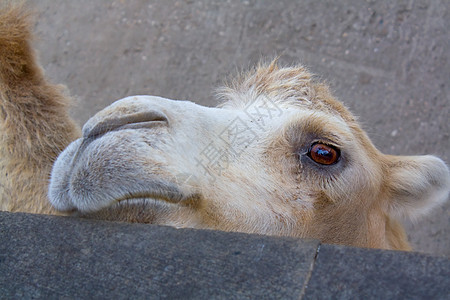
point(280, 156)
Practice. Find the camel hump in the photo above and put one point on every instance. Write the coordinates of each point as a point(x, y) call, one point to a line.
point(17, 59)
point(33, 112)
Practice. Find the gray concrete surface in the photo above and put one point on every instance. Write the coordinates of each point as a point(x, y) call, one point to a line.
point(354, 273)
point(387, 60)
point(49, 257)
point(62, 257)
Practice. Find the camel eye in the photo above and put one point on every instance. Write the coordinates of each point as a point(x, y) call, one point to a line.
point(324, 154)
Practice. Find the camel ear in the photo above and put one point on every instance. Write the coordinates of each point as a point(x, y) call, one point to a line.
point(416, 184)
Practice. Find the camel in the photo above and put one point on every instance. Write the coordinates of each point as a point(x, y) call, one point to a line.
point(280, 156)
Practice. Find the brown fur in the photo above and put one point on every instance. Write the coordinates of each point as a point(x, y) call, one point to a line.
point(35, 126)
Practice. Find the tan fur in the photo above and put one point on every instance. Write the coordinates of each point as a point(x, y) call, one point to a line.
point(139, 160)
point(34, 123)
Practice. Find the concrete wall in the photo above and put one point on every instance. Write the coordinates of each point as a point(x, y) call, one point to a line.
point(387, 60)
point(51, 257)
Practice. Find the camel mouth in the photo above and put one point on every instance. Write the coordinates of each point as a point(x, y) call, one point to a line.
point(143, 197)
point(169, 198)
point(144, 210)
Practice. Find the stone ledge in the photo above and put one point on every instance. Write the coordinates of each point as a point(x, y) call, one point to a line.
point(62, 257)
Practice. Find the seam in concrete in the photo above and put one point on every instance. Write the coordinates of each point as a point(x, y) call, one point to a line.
point(308, 276)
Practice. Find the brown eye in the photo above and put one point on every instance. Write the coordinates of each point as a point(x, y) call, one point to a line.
point(323, 154)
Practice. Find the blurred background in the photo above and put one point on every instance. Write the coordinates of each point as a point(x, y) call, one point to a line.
point(388, 61)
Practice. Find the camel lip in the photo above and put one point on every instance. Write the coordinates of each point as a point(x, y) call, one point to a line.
point(124, 203)
point(148, 198)
point(144, 197)
point(144, 202)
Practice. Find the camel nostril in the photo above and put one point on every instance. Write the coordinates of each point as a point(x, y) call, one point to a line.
point(145, 119)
